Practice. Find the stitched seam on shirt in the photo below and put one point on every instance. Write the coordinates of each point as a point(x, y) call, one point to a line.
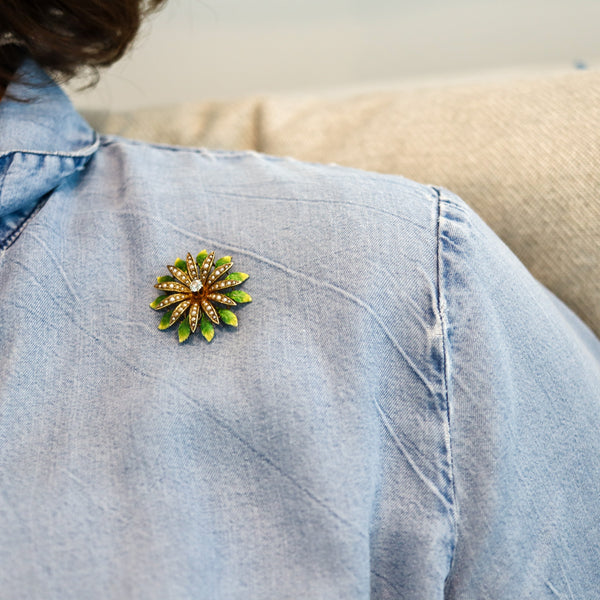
point(107, 140)
point(441, 308)
point(85, 151)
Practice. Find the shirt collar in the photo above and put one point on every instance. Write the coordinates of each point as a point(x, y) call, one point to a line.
point(43, 141)
point(46, 123)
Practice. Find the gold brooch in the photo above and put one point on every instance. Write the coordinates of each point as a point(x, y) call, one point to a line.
point(195, 286)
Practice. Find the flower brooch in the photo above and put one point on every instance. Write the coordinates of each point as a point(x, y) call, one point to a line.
point(196, 286)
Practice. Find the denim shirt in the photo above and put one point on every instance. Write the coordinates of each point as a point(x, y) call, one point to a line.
point(403, 411)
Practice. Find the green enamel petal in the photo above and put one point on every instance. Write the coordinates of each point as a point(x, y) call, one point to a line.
point(200, 258)
point(206, 327)
point(157, 301)
point(184, 330)
point(164, 322)
point(223, 261)
point(239, 296)
point(237, 276)
point(228, 317)
point(181, 264)
point(164, 278)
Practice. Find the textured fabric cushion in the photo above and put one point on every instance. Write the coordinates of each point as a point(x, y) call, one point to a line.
point(523, 153)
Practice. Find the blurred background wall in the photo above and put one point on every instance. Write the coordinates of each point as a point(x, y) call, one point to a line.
point(219, 49)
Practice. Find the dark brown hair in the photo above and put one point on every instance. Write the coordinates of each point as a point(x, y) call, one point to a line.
point(67, 36)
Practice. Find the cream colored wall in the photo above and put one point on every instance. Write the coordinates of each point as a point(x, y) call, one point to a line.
point(199, 49)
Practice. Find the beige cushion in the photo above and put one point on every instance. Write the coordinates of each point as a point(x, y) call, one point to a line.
point(523, 153)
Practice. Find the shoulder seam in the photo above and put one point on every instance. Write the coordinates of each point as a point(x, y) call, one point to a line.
point(443, 316)
point(220, 153)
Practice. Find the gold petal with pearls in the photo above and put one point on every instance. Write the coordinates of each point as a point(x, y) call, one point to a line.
point(206, 266)
point(172, 286)
point(221, 285)
point(210, 311)
point(222, 299)
point(194, 315)
point(191, 267)
point(179, 274)
point(218, 272)
point(172, 299)
point(179, 311)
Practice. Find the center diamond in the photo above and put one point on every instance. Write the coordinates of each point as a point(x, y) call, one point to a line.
point(196, 285)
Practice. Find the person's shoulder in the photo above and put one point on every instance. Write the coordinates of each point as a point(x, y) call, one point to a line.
point(252, 175)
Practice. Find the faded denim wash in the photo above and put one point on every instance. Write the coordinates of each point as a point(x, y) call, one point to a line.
point(404, 412)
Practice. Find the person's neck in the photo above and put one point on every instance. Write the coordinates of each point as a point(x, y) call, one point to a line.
point(12, 56)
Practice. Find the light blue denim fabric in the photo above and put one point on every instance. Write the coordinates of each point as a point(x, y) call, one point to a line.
point(403, 411)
